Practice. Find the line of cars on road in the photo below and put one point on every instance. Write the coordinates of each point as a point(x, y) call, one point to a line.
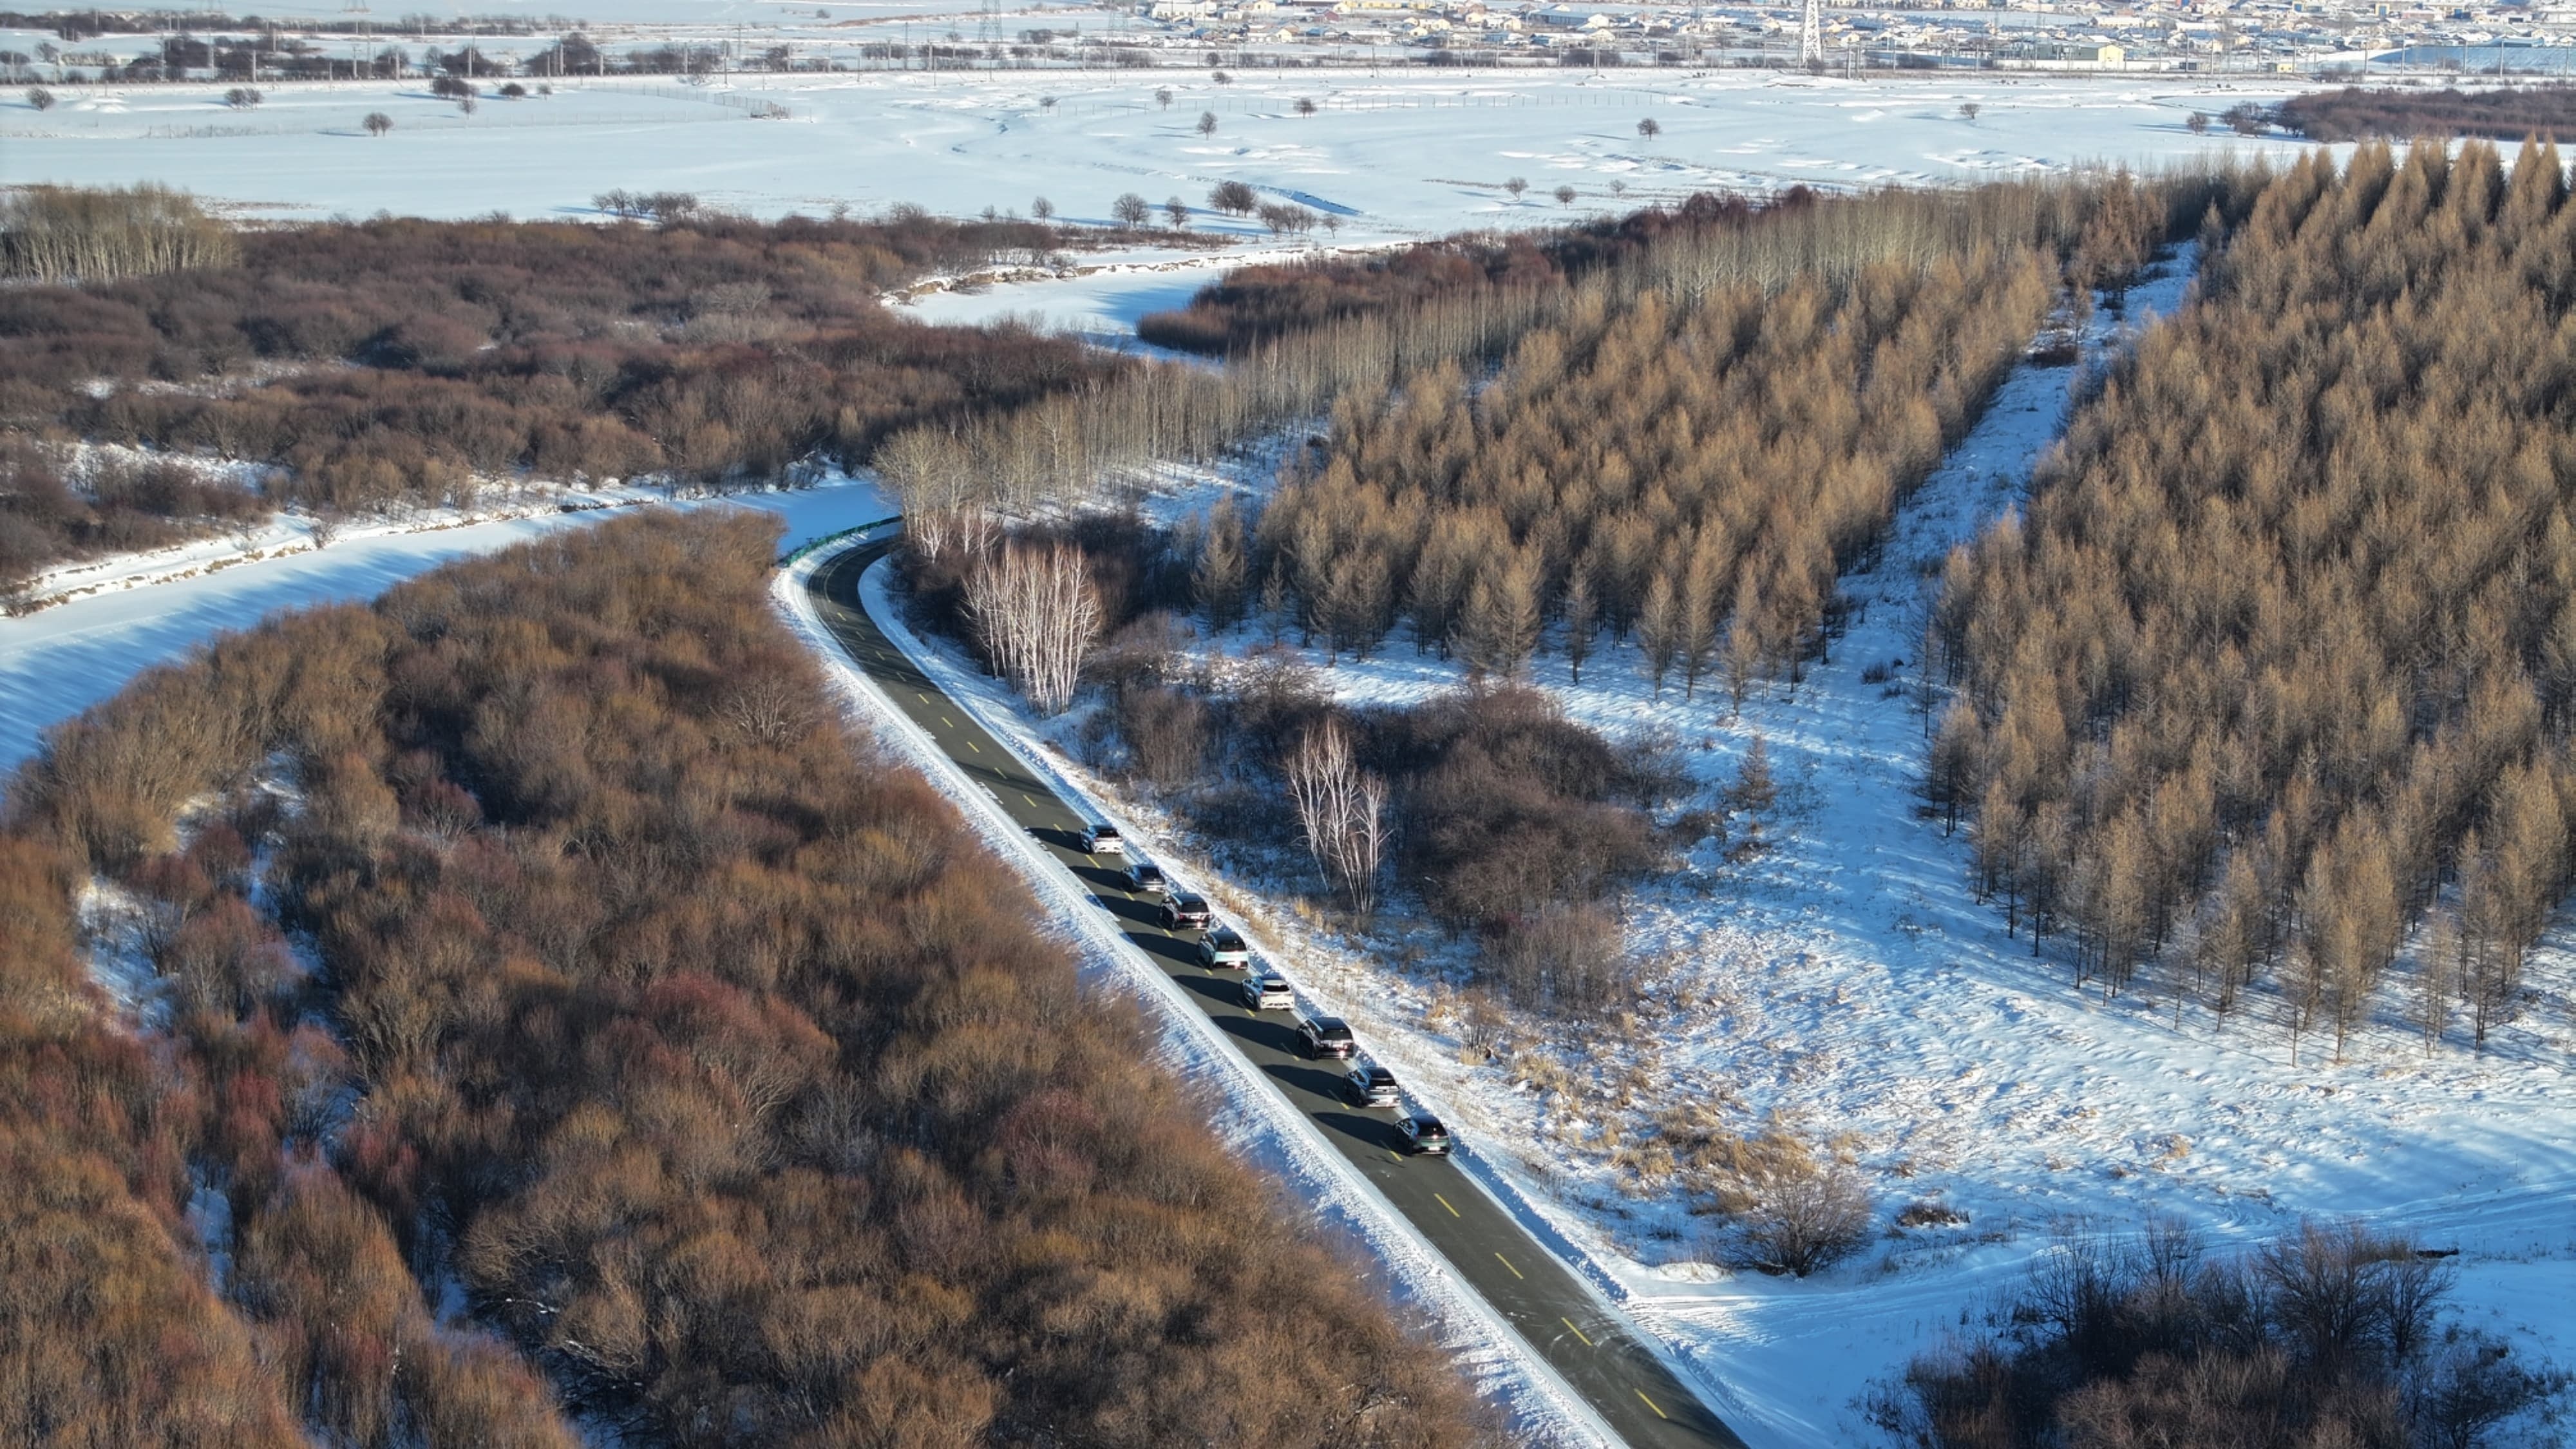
point(1219, 947)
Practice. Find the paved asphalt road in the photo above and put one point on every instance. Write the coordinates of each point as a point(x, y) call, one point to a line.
point(1594, 1352)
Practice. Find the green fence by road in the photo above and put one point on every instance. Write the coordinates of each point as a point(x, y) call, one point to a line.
point(787, 560)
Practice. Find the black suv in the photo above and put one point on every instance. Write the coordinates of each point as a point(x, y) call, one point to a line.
point(1423, 1133)
point(1326, 1036)
point(1369, 1085)
point(1185, 908)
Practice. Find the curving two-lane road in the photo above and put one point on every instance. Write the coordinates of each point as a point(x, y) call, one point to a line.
point(1593, 1350)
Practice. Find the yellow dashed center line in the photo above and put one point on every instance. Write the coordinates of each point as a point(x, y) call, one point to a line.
point(1506, 1262)
point(979, 749)
point(1444, 1202)
point(952, 724)
point(1032, 803)
point(1651, 1404)
point(1577, 1332)
point(925, 699)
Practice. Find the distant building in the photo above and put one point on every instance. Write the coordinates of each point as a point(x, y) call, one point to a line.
point(2064, 55)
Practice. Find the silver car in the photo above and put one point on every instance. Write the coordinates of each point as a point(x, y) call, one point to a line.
point(1369, 1085)
point(1423, 1135)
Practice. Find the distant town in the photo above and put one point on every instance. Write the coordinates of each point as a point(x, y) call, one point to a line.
point(2317, 39)
point(2278, 36)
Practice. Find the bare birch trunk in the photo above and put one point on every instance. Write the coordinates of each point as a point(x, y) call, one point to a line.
point(1341, 810)
point(1036, 614)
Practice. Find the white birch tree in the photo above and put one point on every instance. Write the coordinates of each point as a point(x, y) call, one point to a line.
point(1341, 810)
point(1036, 615)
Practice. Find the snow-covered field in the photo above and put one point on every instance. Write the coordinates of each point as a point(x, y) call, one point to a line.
point(1845, 986)
point(59, 661)
point(1394, 153)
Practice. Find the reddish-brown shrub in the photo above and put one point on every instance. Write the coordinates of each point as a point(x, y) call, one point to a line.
point(733, 1083)
point(490, 350)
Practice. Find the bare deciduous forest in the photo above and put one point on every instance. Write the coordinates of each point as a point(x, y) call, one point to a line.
point(61, 234)
point(2282, 664)
point(1684, 448)
point(1257, 303)
point(401, 362)
point(1254, 304)
point(2331, 1335)
point(2354, 114)
point(733, 1090)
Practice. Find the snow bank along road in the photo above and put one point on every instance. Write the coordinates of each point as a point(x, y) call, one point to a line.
point(1596, 1353)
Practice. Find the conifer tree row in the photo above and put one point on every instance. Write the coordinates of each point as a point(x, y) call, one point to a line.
point(1691, 472)
point(2284, 656)
point(1066, 448)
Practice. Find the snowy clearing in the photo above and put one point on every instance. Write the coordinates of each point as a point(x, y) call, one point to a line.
point(1845, 984)
point(1398, 152)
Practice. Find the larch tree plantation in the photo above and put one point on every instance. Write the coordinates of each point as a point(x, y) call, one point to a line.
point(2279, 672)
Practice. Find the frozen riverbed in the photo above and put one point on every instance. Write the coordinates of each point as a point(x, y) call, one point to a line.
point(59, 661)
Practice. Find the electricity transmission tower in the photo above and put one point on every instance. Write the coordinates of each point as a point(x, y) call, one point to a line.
point(1811, 33)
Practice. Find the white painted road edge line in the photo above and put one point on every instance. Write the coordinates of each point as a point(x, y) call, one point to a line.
point(1428, 1273)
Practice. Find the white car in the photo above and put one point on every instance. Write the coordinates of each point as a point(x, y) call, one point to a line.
point(1098, 839)
point(1266, 992)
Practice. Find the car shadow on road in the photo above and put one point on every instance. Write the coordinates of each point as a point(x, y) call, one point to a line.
point(1137, 918)
point(1227, 989)
point(1369, 1130)
point(1260, 1031)
point(1317, 1080)
point(1173, 951)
